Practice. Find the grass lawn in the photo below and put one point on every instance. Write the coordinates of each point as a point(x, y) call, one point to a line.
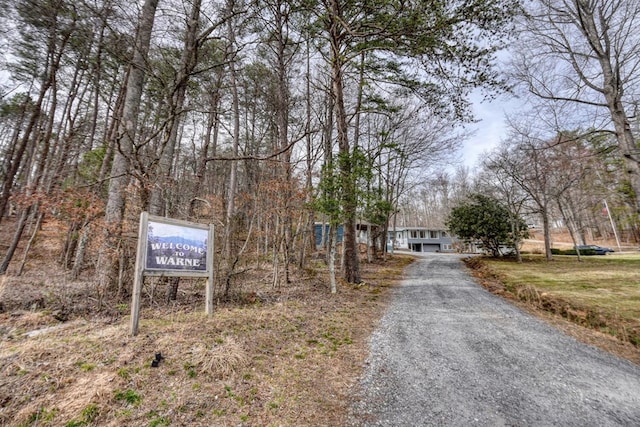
point(601, 292)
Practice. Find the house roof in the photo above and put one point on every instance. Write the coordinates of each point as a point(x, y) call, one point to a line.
point(419, 229)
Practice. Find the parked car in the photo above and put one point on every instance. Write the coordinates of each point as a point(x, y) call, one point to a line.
point(599, 250)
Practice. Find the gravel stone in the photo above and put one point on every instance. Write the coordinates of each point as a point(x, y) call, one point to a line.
point(449, 353)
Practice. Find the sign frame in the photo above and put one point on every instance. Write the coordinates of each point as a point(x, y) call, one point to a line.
point(141, 269)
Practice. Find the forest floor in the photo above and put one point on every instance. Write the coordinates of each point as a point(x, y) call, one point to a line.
point(270, 356)
point(290, 355)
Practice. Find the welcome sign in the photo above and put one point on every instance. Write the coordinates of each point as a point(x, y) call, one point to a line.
point(170, 247)
point(176, 247)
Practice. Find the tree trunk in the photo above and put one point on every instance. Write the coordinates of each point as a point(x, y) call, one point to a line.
point(515, 231)
point(233, 175)
point(332, 258)
point(570, 226)
point(36, 228)
point(22, 222)
point(15, 155)
point(613, 90)
point(210, 144)
point(308, 233)
point(114, 212)
point(351, 267)
point(547, 234)
point(110, 136)
point(282, 120)
point(81, 248)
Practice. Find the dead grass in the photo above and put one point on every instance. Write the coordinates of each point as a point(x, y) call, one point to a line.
point(596, 300)
point(271, 357)
point(274, 357)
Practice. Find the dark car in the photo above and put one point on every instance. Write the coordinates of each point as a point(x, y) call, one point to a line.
point(599, 250)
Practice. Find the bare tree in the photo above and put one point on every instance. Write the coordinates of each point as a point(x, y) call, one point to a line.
point(496, 180)
point(523, 159)
point(586, 53)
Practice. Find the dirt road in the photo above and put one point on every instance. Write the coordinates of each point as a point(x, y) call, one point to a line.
point(448, 353)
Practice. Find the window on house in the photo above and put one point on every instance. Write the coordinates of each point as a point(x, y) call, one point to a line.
point(433, 234)
point(444, 234)
point(414, 234)
point(422, 235)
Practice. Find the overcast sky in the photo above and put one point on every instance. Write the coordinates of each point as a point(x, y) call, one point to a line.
point(489, 130)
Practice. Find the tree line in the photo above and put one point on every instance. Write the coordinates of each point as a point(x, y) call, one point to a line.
point(570, 157)
point(265, 116)
point(257, 116)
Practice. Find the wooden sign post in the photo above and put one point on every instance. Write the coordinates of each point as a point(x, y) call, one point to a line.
point(172, 248)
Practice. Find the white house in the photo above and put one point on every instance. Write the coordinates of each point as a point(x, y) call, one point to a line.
point(421, 239)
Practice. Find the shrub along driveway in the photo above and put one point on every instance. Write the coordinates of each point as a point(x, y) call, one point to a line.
point(448, 352)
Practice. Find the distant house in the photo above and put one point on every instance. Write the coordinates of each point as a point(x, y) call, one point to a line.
point(421, 239)
point(322, 230)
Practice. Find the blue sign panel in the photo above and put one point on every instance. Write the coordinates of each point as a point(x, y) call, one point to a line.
point(176, 247)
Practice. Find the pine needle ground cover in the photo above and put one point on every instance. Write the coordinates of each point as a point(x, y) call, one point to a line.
point(600, 292)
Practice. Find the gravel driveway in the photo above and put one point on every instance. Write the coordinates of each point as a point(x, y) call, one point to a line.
point(447, 352)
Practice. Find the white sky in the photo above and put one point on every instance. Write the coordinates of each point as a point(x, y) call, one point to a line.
point(489, 130)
